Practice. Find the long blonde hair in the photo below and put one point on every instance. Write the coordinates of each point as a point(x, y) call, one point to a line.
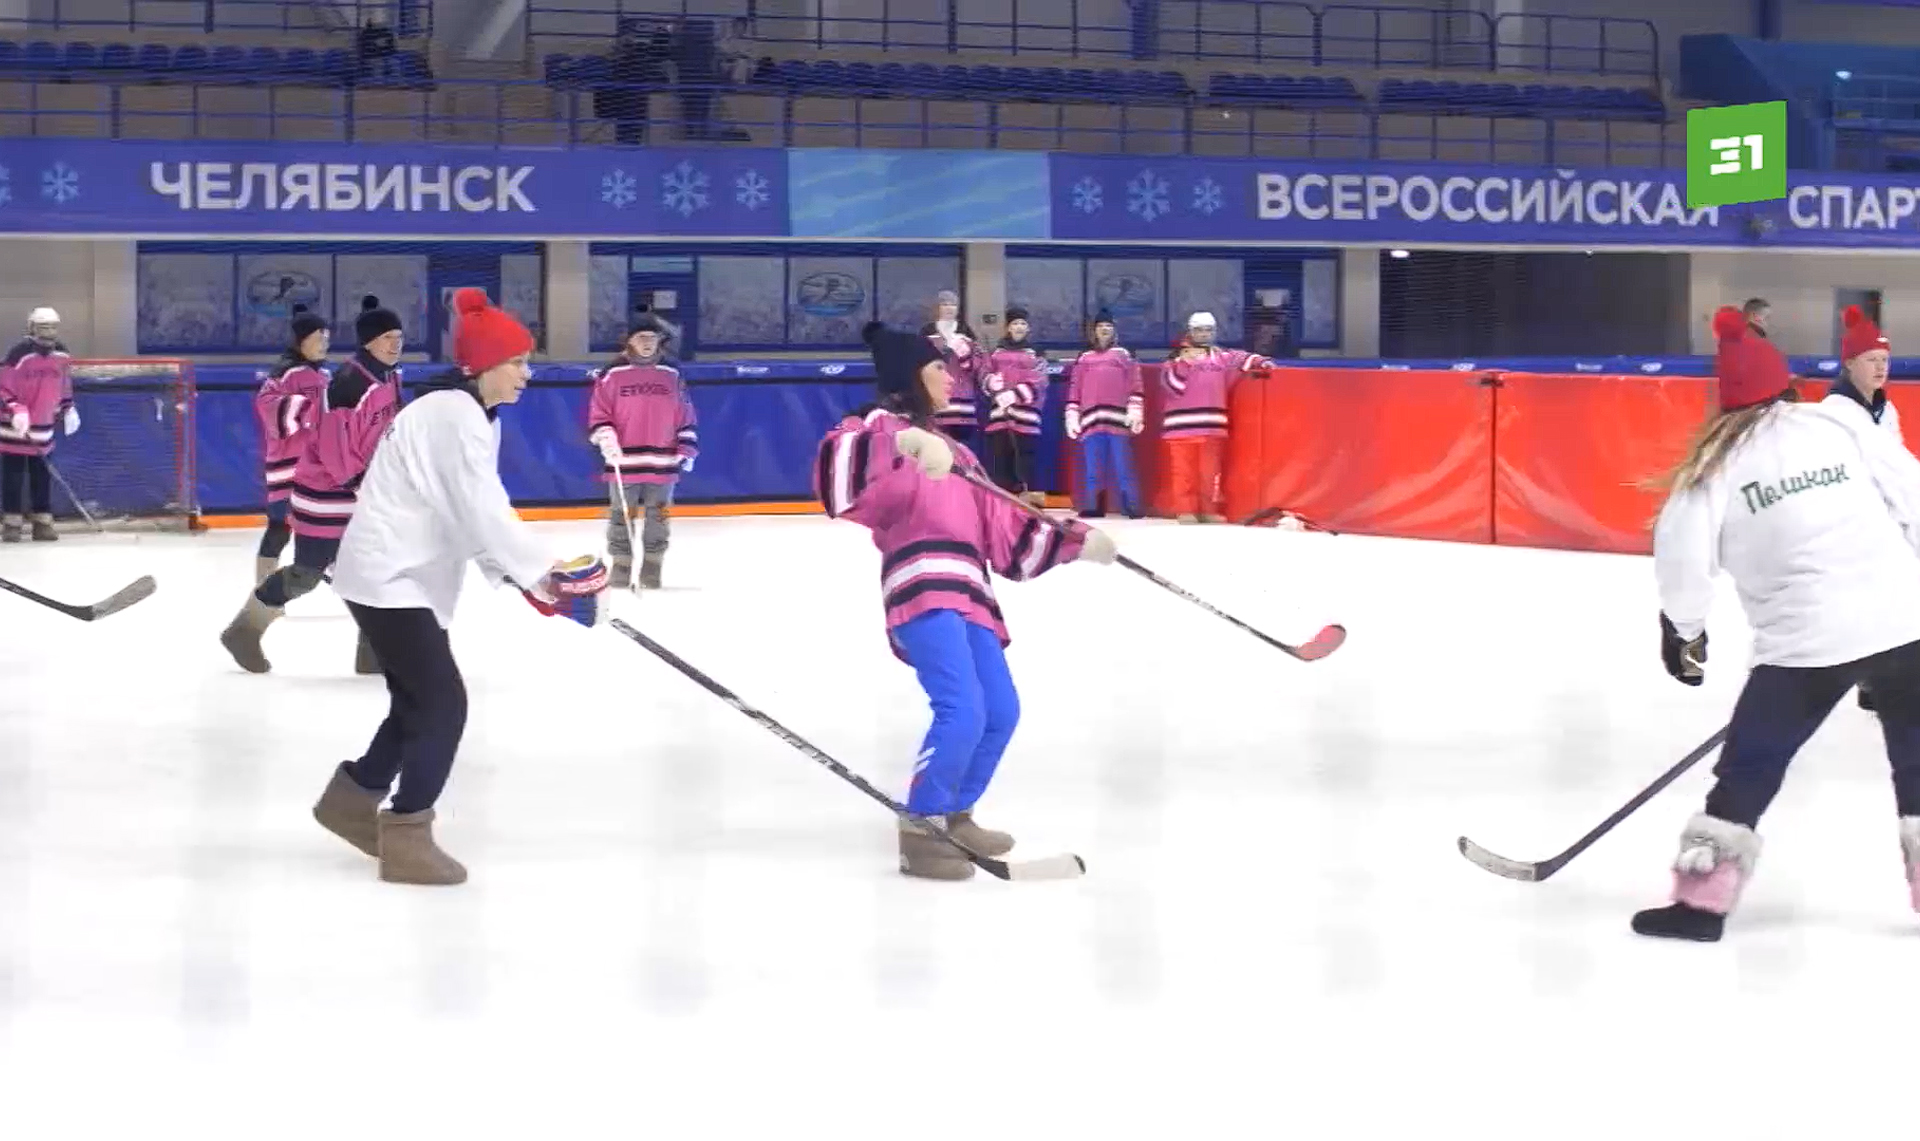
point(1710, 447)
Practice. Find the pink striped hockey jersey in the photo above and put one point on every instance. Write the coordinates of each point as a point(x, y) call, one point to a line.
point(650, 413)
point(967, 365)
point(1102, 386)
point(287, 407)
point(359, 402)
point(34, 380)
point(1022, 371)
point(938, 539)
point(1197, 391)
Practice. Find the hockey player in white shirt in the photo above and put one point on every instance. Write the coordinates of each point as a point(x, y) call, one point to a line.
point(1815, 513)
point(1865, 360)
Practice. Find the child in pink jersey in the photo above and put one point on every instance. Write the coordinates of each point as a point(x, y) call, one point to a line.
point(641, 420)
point(287, 407)
point(1106, 409)
point(36, 394)
point(360, 400)
point(1193, 426)
point(939, 535)
point(1017, 383)
point(966, 366)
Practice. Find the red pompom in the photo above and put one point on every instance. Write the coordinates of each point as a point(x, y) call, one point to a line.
point(1729, 324)
point(470, 300)
point(1851, 316)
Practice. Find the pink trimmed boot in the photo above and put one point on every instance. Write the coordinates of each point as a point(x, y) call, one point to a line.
point(1910, 851)
point(1716, 860)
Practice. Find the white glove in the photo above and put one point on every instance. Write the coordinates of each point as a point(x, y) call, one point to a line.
point(1004, 398)
point(609, 445)
point(1136, 418)
point(935, 456)
point(1073, 424)
point(1098, 547)
point(73, 420)
point(21, 422)
point(686, 464)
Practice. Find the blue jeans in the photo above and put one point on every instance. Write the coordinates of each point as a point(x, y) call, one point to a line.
point(975, 709)
point(1106, 464)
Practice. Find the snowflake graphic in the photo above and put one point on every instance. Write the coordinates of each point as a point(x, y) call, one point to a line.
point(618, 189)
point(1147, 196)
point(752, 190)
point(1208, 196)
point(1087, 195)
point(60, 183)
point(6, 191)
point(684, 189)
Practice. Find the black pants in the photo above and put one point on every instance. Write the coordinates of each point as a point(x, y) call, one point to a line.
point(1781, 707)
point(278, 530)
point(33, 472)
point(1010, 460)
point(426, 712)
point(312, 556)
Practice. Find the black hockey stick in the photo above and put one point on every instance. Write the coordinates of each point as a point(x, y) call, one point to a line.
point(1534, 873)
point(119, 600)
point(1049, 868)
point(1328, 640)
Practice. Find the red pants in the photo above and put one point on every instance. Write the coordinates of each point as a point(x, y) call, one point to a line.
point(1193, 475)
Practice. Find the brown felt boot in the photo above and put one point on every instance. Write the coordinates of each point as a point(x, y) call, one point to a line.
point(43, 531)
point(12, 529)
point(350, 812)
point(409, 855)
point(985, 841)
point(650, 570)
point(242, 635)
point(263, 569)
point(365, 662)
point(924, 855)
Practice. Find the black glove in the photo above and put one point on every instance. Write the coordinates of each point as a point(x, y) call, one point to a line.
point(1682, 658)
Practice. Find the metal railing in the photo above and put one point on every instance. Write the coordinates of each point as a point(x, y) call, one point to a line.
point(1196, 125)
point(1874, 102)
point(1249, 31)
point(407, 18)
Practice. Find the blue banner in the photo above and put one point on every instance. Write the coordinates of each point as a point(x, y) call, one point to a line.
point(327, 189)
point(909, 194)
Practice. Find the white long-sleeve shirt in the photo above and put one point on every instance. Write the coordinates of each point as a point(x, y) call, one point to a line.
point(1889, 415)
point(432, 500)
point(1816, 516)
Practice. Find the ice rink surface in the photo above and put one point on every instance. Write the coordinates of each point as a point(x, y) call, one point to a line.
point(679, 927)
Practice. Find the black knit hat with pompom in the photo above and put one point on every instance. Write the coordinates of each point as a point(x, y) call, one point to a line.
point(306, 323)
point(898, 358)
point(374, 322)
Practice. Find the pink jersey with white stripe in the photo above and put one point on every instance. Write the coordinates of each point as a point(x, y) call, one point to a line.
point(359, 402)
point(34, 380)
point(967, 365)
point(1023, 372)
point(1102, 386)
point(651, 415)
point(1197, 391)
point(287, 406)
point(938, 538)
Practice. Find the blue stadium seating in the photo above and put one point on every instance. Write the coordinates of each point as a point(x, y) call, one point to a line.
point(1507, 100)
point(42, 61)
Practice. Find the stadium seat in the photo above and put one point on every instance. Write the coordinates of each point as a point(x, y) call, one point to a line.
point(40, 60)
point(336, 66)
point(263, 65)
point(155, 60)
point(80, 58)
point(301, 65)
point(116, 59)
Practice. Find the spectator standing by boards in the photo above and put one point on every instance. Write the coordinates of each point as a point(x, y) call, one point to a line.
point(1106, 409)
point(1199, 378)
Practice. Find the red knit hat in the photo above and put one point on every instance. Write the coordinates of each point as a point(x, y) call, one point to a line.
point(483, 336)
point(1750, 370)
point(1862, 335)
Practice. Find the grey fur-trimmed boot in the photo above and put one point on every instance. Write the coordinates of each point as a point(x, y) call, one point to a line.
point(43, 531)
point(12, 529)
point(350, 812)
point(408, 853)
point(242, 635)
point(924, 855)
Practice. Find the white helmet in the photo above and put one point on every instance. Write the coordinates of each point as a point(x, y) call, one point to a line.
point(1201, 320)
point(43, 323)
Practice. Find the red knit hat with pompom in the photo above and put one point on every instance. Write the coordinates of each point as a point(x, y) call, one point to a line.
point(1861, 336)
point(484, 336)
point(1750, 370)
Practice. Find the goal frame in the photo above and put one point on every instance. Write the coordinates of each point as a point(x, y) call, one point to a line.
point(97, 375)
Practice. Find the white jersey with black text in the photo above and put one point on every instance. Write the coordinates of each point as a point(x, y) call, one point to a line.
point(1816, 517)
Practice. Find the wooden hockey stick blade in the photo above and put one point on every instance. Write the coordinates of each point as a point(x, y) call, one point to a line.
point(126, 596)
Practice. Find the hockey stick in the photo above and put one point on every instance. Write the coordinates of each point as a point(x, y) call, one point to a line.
point(626, 517)
point(1049, 868)
point(119, 600)
point(1534, 873)
point(77, 505)
point(1329, 639)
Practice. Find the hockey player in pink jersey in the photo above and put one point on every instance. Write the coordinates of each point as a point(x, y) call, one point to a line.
point(1016, 382)
point(889, 470)
point(360, 400)
point(287, 407)
point(36, 395)
point(966, 365)
point(1106, 409)
point(1199, 378)
point(640, 418)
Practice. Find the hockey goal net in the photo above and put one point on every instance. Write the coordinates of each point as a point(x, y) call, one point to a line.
point(130, 467)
